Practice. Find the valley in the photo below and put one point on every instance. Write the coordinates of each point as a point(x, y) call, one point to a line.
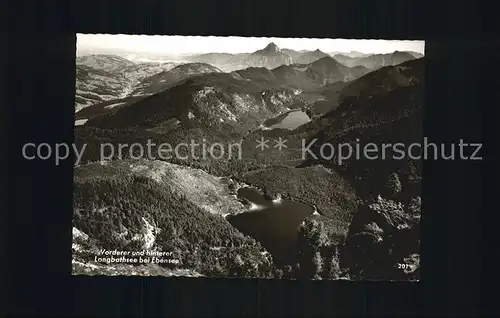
point(259, 213)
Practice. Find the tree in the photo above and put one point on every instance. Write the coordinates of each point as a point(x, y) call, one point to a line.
point(393, 185)
point(312, 233)
point(319, 236)
point(414, 206)
point(312, 240)
point(317, 262)
point(334, 271)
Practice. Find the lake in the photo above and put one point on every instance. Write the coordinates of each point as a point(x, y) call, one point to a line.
point(273, 224)
point(290, 120)
point(80, 122)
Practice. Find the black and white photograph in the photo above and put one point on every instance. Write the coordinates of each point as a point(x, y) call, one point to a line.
point(246, 157)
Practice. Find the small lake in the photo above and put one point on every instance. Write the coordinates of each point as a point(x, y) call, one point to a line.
point(273, 224)
point(290, 120)
point(80, 122)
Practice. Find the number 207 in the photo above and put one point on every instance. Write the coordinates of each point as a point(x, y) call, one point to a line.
point(404, 266)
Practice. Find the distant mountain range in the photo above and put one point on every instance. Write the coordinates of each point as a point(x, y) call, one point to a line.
point(201, 95)
point(110, 83)
point(272, 56)
point(104, 77)
point(304, 76)
point(351, 54)
point(294, 81)
point(269, 57)
point(375, 61)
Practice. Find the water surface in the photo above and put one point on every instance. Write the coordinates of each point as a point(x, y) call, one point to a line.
point(273, 224)
point(291, 120)
point(80, 122)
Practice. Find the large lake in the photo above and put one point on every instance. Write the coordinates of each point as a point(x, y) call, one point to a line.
point(273, 224)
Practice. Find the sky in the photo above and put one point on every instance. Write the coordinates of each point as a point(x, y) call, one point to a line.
point(174, 44)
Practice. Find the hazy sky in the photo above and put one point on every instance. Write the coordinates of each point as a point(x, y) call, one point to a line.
point(199, 44)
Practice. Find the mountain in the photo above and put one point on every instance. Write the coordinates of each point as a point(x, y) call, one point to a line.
point(140, 71)
point(328, 99)
point(234, 102)
point(373, 83)
point(389, 116)
point(351, 54)
point(293, 54)
point(216, 102)
point(304, 56)
point(309, 57)
point(162, 80)
point(328, 70)
point(213, 107)
point(296, 79)
point(375, 61)
point(102, 77)
point(345, 59)
point(269, 57)
point(415, 54)
point(101, 108)
point(389, 97)
point(385, 79)
point(368, 113)
point(213, 58)
point(304, 77)
point(94, 86)
point(225, 61)
point(105, 62)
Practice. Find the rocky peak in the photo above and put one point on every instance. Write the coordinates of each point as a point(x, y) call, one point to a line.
point(271, 48)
